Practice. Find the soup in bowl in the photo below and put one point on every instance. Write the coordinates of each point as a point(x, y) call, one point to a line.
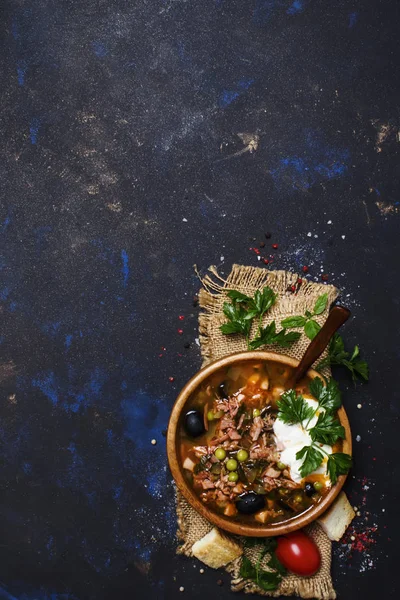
point(235, 441)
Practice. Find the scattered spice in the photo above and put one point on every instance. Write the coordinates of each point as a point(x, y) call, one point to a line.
point(154, 442)
point(255, 250)
point(164, 433)
point(180, 331)
point(195, 301)
point(324, 277)
point(171, 379)
point(181, 589)
point(187, 345)
point(202, 571)
point(305, 269)
point(220, 582)
point(265, 261)
point(299, 281)
point(275, 246)
point(181, 317)
point(359, 405)
point(268, 235)
point(262, 245)
point(292, 288)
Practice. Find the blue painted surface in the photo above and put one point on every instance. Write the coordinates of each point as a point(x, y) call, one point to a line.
point(115, 119)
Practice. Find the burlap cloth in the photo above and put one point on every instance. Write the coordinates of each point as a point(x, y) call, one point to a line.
point(192, 526)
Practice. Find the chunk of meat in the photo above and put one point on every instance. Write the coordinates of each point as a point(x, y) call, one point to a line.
point(287, 483)
point(270, 483)
point(207, 484)
point(256, 428)
point(200, 451)
point(220, 440)
point(226, 423)
point(234, 435)
point(271, 472)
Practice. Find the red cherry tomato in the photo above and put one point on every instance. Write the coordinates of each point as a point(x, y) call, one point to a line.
point(298, 553)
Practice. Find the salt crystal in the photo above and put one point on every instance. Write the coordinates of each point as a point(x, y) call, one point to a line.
point(309, 234)
point(197, 341)
point(359, 406)
point(383, 509)
point(222, 258)
point(315, 235)
point(329, 222)
point(202, 571)
point(343, 237)
point(184, 220)
point(181, 589)
point(358, 438)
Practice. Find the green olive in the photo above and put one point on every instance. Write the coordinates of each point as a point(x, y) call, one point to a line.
point(233, 476)
point(210, 415)
point(298, 498)
point(281, 466)
point(231, 464)
point(318, 485)
point(242, 455)
point(220, 454)
point(256, 412)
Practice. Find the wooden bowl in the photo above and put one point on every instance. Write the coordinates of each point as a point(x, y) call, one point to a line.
point(174, 459)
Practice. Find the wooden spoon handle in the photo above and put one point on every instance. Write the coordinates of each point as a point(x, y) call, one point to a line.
point(336, 318)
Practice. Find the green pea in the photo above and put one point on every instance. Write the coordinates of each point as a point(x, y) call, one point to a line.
point(281, 466)
point(256, 412)
point(318, 486)
point(242, 455)
point(220, 454)
point(233, 476)
point(231, 464)
point(210, 415)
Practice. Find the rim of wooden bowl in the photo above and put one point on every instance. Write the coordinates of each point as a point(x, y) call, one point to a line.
point(175, 463)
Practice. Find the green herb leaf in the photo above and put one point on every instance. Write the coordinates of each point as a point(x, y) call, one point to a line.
point(329, 396)
point(311, 329)
point(291, 322)
point(312, 459)
point(327, 429)
point(264, 300)
point(321, 304)
point(338, 464)
point(293, 409)
point(268, 335)
point(275, 563)
point(308, 314)
point(235, 313)
point(338, 356)
point(266, 580)
point(239, 297)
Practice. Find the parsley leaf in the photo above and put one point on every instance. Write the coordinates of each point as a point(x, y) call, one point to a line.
point(237, 323)
point(266, 580)
point(337, 355)
point(294, 322)
point(329, 396)
point(268, 335)
point(264, 300)
point(311, 329)
point(239, 297)
point(327, 429)
point(312, 459)
point(338, 464)
point(320, 304)
point(293, 409)
point(275, 563)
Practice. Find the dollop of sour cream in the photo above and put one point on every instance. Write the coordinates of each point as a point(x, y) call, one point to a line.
point(290, 439)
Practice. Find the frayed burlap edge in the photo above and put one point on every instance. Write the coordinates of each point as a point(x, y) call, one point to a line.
point(191, 525)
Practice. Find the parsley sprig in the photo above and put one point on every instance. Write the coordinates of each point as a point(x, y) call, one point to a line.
point(266, 580)
point(243, 310)
point(337, 355)
point(327, 429)
point(311, 327)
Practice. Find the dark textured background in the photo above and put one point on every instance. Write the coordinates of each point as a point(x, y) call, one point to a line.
point(119, 121)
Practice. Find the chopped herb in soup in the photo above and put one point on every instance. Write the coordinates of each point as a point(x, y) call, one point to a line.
point(240, 450)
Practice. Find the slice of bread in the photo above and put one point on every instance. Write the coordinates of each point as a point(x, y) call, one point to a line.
point(216, 550)
point(337, 519)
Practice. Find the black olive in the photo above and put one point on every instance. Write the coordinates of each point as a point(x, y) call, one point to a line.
point(194, 423)
point(309, 489)
point(250, 503)
point(222, 392)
